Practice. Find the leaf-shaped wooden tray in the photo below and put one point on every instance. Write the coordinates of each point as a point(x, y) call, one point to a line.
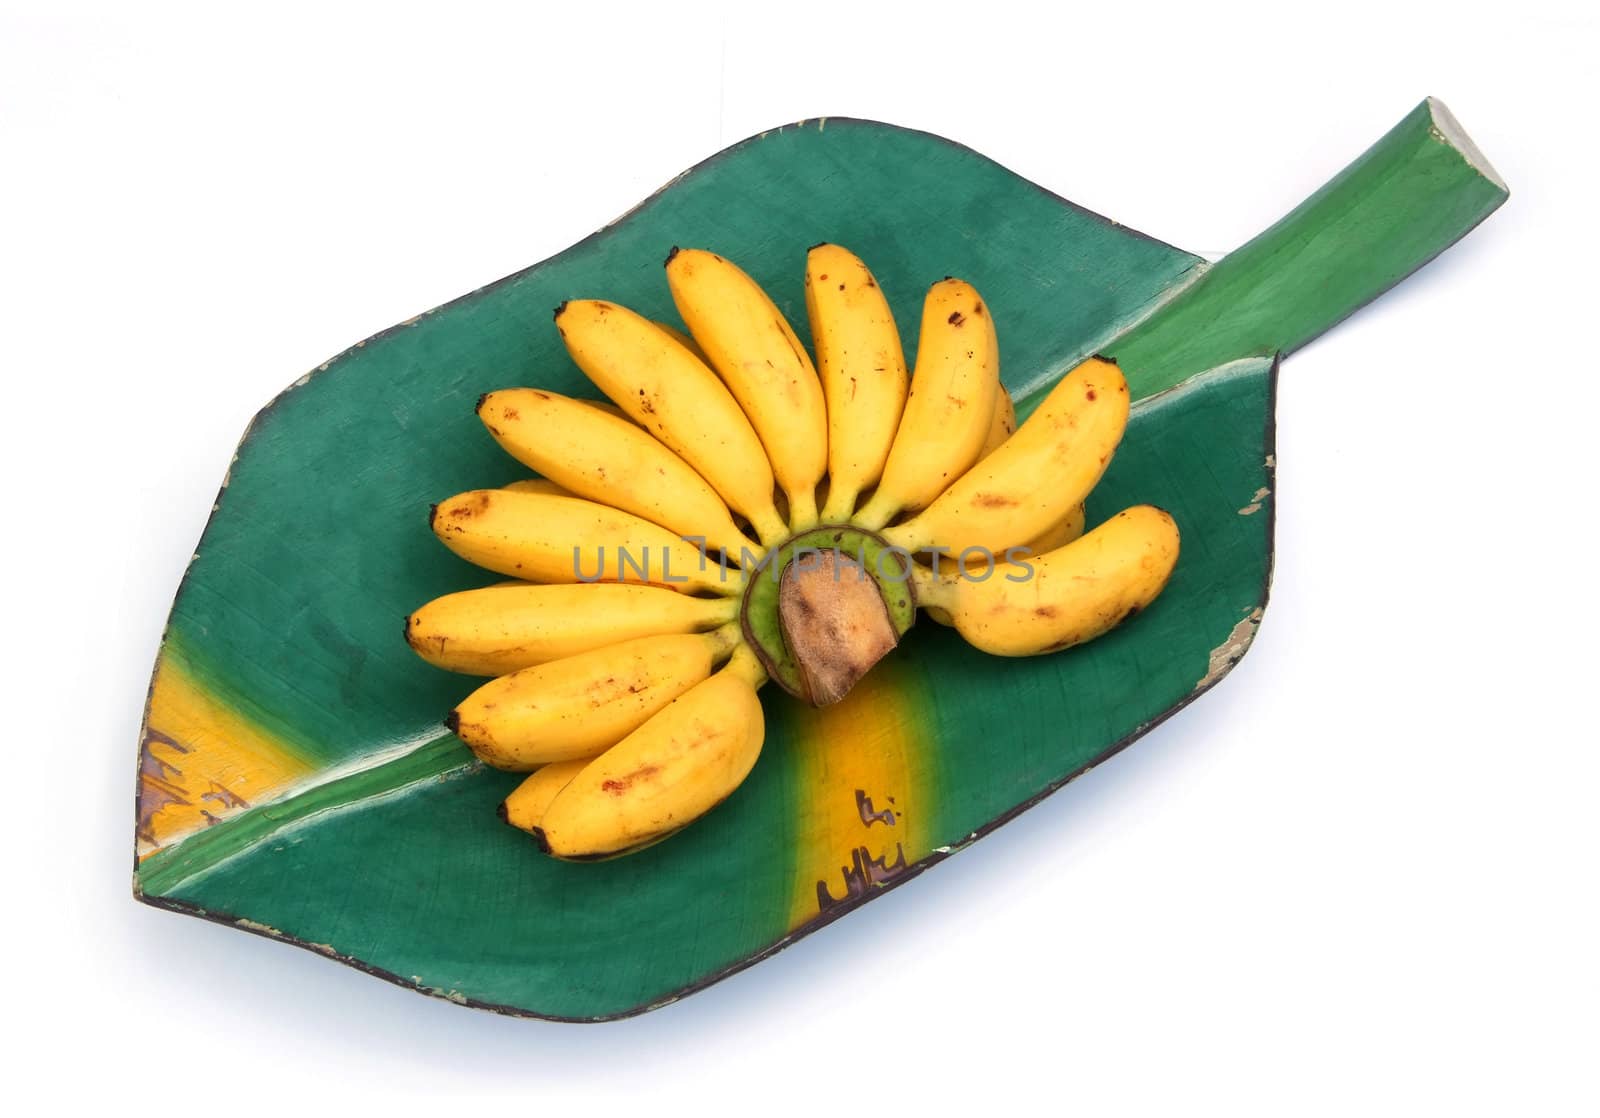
point(293, 776)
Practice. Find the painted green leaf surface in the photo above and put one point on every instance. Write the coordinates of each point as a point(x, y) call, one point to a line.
point(380, 844)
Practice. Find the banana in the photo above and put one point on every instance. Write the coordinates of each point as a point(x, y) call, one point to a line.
point(610, 460)
point(683, 339)
point(606, 655)
point(538, 485)
point(1063, 531)
point(528, 802)
point(755, 351)
point(1059, 534)
point(949, 409)
point(670, 771)
point(670, 392)
point(515, 625)
point(581, 706)
point(524, 809)
point(1064, 597)
point(544, 538)
point(1001, 424)
point(1005, 499)
point(863, 372)
point(606, 406)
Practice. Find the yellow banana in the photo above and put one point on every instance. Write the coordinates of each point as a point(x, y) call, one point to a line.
point(683, 339)
point(1001, 424)
point(1037, 476)
point(1059, 534)
point(610, 460)
point(606, 654)
point(667, 773)
point(863, 372)
point(524, 809)
point(581, 706)
point(1064, 597)
point(606, 406)
point(671, 393)
point(544, 538)
point(538, 485)
point(1063, 531)
point(950, 408)
point(755, 351)
point(505, 628)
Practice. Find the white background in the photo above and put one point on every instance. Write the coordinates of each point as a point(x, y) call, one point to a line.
point(1359, 877)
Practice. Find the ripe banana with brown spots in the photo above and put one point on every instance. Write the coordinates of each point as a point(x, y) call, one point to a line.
point(1064, 597)
point(669, 772)
point(1059, 534)
point(500, 629)
point(610, 692)
point(1036, 477)
point(863, 372)
point(525, 807)
point(672, 394)
point(603, 458)
point(1002, 424)
point(750, 344)
point(538, 485)
point(545, 538)
point(950, 407)
point(683, 339)
point(1062, 532)
point(578, 707)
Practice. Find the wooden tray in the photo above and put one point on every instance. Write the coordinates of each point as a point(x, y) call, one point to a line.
point(294, 779)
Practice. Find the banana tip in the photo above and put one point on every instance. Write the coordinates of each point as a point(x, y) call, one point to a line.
point(562, 307)
point(452, 722)
point(433, 514)
point(500, 810)
point(672, 254)
point(539, 840)
point(482, 400)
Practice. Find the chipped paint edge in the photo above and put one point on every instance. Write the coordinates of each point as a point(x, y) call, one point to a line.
point(1231, 651)
point(1448, 131)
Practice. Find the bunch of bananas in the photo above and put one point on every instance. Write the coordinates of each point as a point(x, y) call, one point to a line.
point(739, 513)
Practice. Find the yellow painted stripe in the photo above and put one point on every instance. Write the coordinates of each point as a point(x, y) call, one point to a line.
point(863, 808)
point(202, 761)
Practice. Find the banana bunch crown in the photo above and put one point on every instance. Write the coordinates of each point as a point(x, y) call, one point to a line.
point(740, 508)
